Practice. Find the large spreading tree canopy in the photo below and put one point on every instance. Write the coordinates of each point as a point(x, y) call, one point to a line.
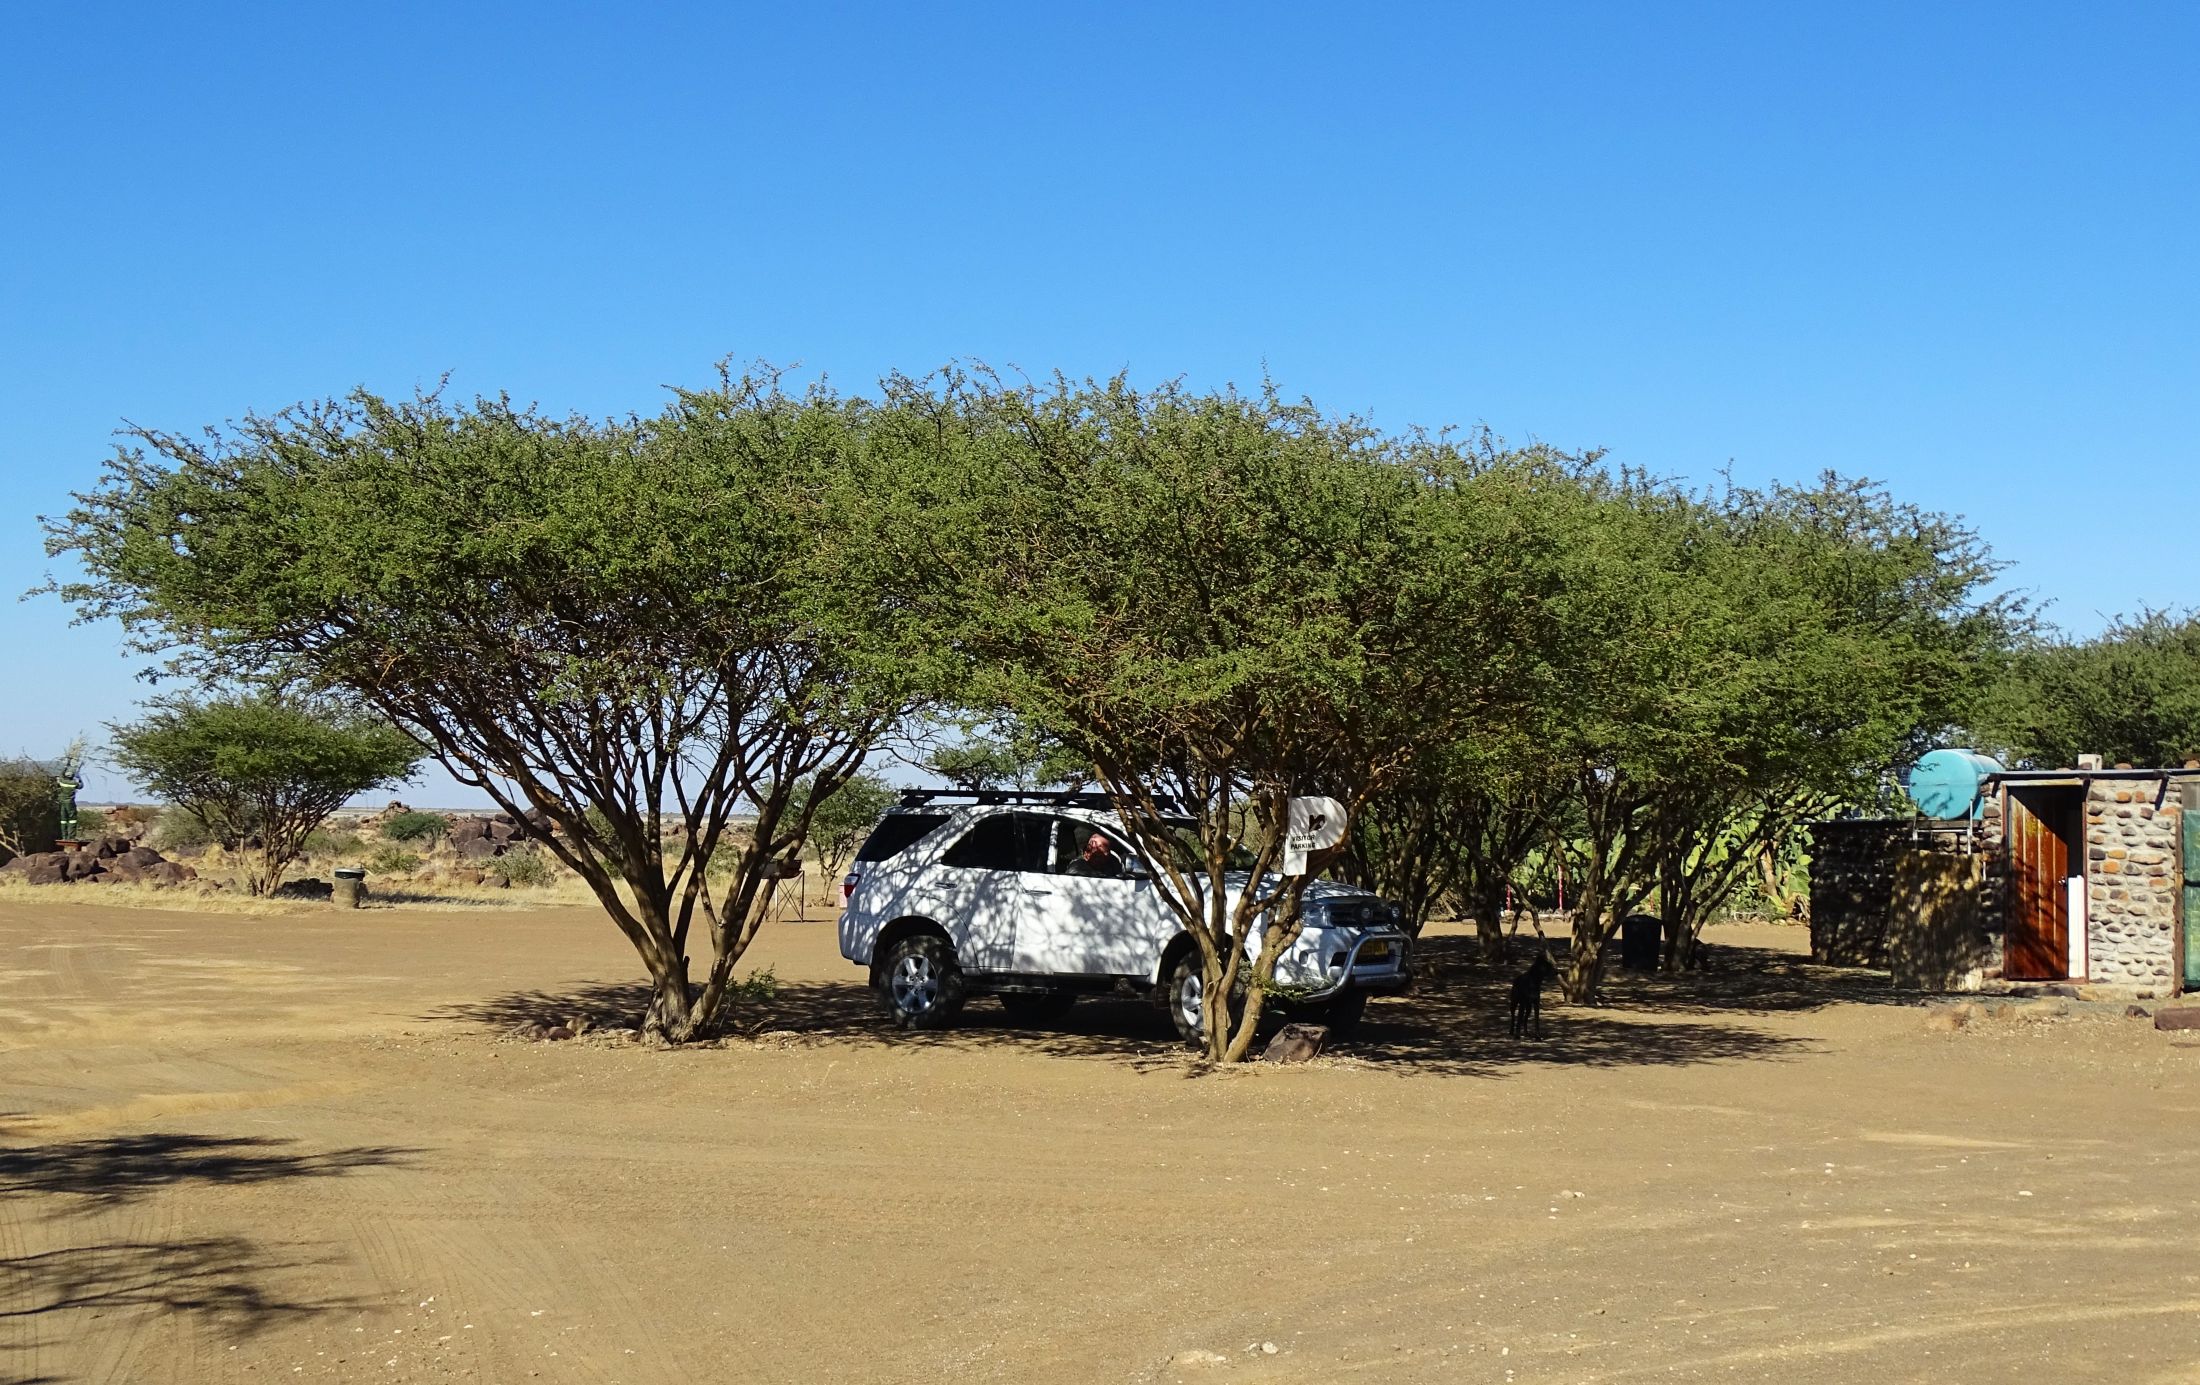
point(2130, 694)
point(614, 626)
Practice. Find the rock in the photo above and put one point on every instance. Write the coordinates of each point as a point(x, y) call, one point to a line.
point(308, 888)
point(123, 868)
point(501, 831)
point(464, 830)
point(1946, 1019)
point(2173, 1017)
point(39, 868)
point(141, 856)
point(479, 849)
point(81, 865)
point(1295, 1043)
point(1198, 1358)
point(168, 874)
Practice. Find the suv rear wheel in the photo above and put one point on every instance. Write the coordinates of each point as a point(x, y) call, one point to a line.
point(920, 983)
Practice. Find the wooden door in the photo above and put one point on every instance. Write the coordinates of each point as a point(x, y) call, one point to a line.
point(2038, 946)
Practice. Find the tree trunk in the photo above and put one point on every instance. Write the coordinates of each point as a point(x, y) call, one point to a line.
point(1584, 968)
point(1214, 1007)
point(672, 1014)
point(1489, 923)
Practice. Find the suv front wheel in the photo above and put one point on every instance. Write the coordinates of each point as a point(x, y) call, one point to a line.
point(920, 983)
point(1183, 995)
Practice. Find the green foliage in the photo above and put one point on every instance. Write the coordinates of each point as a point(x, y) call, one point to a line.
point(2130, 695)
point(842, 818)
point(391, 859)
point(323, 842)
point(616, 622)
point(1005, 757)
point(524, 866)
point(263, 767)
point(416, 827)
point(180, 829)
point(30, 807)
point(757, 988)
point(1213, 600)
point(90, 823)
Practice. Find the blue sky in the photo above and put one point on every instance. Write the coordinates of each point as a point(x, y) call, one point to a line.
point(1950, 247)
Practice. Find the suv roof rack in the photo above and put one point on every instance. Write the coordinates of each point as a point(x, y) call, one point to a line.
point(918, 798)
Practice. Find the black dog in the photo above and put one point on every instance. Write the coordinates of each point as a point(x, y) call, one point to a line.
point(1527, 996)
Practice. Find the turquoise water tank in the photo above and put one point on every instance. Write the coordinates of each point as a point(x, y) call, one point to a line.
point(1947, 783)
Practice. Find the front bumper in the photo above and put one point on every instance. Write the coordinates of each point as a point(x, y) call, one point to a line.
point(1386, 977)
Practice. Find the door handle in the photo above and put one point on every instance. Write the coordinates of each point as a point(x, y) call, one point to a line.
point(1029, 890)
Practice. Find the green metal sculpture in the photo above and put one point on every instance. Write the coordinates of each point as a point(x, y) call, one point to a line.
point(65, 785)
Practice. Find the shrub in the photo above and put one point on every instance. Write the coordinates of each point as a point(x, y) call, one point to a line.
point(393, 860)
point(180, 829)
point(30, 813)
point(524, 867)
point(90, 824)
point(416, 827)
point(323, 842)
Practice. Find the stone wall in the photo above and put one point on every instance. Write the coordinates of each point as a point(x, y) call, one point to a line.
point(2133, 875)
point(1853, 869)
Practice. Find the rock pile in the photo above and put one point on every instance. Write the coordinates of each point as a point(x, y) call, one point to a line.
point(483, 838)
point(114, 859)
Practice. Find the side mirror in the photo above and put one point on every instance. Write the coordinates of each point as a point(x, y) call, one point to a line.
point(1135, 869)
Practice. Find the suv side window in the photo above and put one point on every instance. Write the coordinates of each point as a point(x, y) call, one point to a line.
point(896, 833)
point(1004, 841)
point(1070, 836)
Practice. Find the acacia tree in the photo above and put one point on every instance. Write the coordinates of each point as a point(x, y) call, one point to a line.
point(1763, 656)
point(1213, 600)
point(2130, 694)
point(1464, 813)
point(262, 769)
point(619, 626)
point(843, 818)
point(1856, 631)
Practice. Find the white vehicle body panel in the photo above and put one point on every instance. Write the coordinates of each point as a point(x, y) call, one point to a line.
point(1033, 924)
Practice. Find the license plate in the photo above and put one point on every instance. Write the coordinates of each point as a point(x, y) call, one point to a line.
point(1375, 951)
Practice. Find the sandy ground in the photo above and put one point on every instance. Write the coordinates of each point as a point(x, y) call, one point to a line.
point(276, 1148)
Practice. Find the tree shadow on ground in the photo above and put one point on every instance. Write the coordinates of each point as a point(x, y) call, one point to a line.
point(228, 1282)
point(1455, 1021)
point(221, 1279)
point(100, 1173)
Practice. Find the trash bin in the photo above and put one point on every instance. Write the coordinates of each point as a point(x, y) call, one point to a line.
point(350, 888)
point(1640, 936)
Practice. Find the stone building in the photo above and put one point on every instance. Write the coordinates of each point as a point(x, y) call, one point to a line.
point(2065, 875)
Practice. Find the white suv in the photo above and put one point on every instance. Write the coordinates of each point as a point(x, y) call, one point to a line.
point(947, 901)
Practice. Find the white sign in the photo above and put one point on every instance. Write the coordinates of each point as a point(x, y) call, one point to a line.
point(1315, 824)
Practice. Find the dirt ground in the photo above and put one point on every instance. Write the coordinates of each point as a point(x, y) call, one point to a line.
point(241, 1147)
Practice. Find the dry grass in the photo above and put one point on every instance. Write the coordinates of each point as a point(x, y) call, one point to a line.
point(401, 894)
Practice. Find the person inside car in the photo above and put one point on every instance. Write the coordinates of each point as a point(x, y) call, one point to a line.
point(1099, 859)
